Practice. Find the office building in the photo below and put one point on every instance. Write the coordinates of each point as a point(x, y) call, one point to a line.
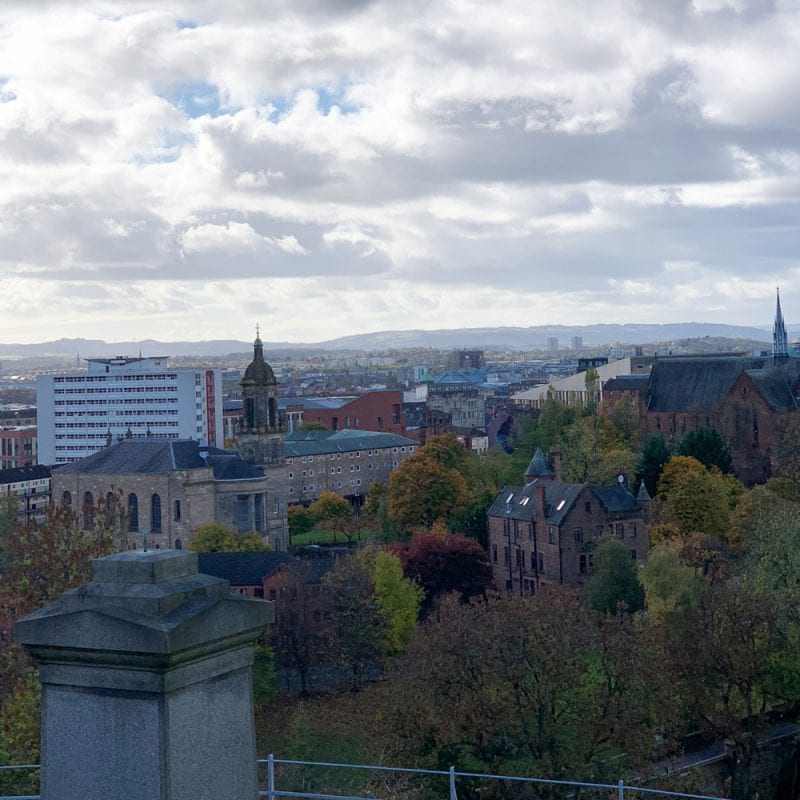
point(125, 398)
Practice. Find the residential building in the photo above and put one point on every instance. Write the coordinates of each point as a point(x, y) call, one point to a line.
point(345, 462)
point(577, 342)
point(552, 345)
point(81, 412)
point(167, 489)
point(467, 359)
point(371, 411)
point(31, 485)
point(18, 446)
point(546, 531)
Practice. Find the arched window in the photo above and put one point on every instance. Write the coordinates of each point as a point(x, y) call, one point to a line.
point(178, 544)
point(88, 510)
point(155, 514)
point(66, 499)
point(133, 512)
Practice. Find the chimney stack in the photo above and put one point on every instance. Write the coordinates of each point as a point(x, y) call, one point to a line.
point(555, 462)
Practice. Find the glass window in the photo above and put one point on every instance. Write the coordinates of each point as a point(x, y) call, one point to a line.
point(155, 513)
point(133, 512)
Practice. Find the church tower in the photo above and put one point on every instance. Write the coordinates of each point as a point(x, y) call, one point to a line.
point(260, 441)
point(780, 342)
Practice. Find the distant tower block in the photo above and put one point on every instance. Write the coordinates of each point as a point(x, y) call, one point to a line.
point(552, 345)
point(577, 342)
point(780, 342)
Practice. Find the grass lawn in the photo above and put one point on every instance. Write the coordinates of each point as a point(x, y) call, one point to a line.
point(319, 536)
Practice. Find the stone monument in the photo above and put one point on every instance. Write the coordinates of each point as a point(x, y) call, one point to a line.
point(147, 683)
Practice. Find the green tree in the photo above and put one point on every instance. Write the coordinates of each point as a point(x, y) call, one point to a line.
point(264, 675)
point(312, 426)
point(422, 490)
point(332, 512)
point(669, 584)
point(592, 381)
point(398, 599)
point(786, 453)
point(595, 452)
point(447, 451)
point(19, 734)
point(9, 510)
point(358, 629)
point(301, 520)
point(615, 583)
point(708, 447)
point(655, 455)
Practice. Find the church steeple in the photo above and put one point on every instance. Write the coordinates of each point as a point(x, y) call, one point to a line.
point(780, 342)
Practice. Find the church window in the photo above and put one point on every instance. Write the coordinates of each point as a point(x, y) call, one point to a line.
point(259, 512)
point(155, 513)
point(66, 499)
point(243, 513)
point(177, 511)
point(88, 510)
point(133, 512)
point(755, 428)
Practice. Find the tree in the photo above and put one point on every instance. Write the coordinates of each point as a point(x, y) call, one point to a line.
point(669, 585)
point(264, 675)
point(595, 452)
point(332, 512)
point(615, 585)
point(358, 629)
point(447, 451)
point(786, 453)
point(708, 447)
point(398, 600)
point(44, 561)
point(9, 511)
point(442, 562)
point(215, 537)
point(651, 463)
point(422, 490)
point(301, 520)
point(19, 734)
point(311, 425)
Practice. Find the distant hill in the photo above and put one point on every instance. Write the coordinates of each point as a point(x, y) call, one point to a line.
point(534, 337)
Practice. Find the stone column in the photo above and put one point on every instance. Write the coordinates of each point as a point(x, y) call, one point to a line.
point(147, 683)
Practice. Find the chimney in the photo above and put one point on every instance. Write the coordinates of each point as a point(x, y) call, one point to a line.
point(555, 462)
point(541, 500)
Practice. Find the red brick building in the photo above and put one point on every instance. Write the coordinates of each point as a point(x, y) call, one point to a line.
point(371, 411)
point(18, 446)
point(546, 531)
point(747, 400)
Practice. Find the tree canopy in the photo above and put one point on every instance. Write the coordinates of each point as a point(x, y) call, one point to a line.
point(708, 447)
point(615, 584)
point(215, 537)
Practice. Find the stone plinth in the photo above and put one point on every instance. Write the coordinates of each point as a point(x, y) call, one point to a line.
point(147, 683)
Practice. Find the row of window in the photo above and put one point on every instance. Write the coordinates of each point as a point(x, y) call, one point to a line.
point(147, 376)
point(90, 509)
point(354, 454)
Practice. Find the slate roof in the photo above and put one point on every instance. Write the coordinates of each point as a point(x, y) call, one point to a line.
point(539, 466)
point(701, 384)
point(775, 386)
point(241, 569)
point(305, 443)
point(692, 384)
point(519, 502)
point(638, 382)
point(18, 474)
point(159, 456)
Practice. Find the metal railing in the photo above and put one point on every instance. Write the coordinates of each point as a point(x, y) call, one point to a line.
point(619, 790)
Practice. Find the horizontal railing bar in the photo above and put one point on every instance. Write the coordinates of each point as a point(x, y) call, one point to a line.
point(483, 775)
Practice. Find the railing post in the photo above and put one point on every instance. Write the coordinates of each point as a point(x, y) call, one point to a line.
point(453, 795)
point(621, 790)
point(271, 776)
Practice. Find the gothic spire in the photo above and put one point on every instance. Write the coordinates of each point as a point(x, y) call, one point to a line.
point(780, 342)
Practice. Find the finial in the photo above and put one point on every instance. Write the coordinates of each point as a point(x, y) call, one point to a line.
point(258, 330)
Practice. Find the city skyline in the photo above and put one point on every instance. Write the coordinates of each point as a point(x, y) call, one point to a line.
point(184, 170)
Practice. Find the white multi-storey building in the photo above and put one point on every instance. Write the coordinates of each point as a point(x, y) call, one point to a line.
point(116, 398)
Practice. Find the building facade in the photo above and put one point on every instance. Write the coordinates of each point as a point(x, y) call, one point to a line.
point(346, 462)
point(546, 531)
point(79, 413)
point(167, 489)
point(32, 487)
point(18, 446)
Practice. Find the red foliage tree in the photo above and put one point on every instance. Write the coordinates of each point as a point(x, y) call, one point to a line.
point(445, 562)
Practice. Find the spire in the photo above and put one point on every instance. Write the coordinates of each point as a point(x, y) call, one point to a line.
point(643, 496)
point(538, 468)
point(258, 342)
point(780, 342)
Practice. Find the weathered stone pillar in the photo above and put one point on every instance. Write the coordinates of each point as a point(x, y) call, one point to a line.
point(147, 683)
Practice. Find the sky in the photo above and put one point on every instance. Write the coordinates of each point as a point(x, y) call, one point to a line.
point(185, 170)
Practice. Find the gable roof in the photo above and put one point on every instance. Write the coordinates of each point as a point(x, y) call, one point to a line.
point(775, 386)
point(519, 502)
point(305, 443)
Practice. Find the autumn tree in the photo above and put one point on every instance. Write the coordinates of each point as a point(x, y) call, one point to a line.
point(447, 451)
point(708, 447)
point(442, 562)
point(44, 561)
point(509, 686)
point(422, 490)
point(614, 585)
point(216, 537)
point(786, 453)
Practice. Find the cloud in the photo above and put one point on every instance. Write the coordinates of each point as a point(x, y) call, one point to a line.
point(357, 165)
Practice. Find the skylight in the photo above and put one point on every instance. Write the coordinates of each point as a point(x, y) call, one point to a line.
point(560, 505)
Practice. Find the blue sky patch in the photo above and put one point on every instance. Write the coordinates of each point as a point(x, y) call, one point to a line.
point(195, 98)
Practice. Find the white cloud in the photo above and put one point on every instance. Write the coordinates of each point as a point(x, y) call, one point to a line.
point(416, 165)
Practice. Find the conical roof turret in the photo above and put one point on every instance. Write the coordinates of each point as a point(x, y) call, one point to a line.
point(539, 467)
